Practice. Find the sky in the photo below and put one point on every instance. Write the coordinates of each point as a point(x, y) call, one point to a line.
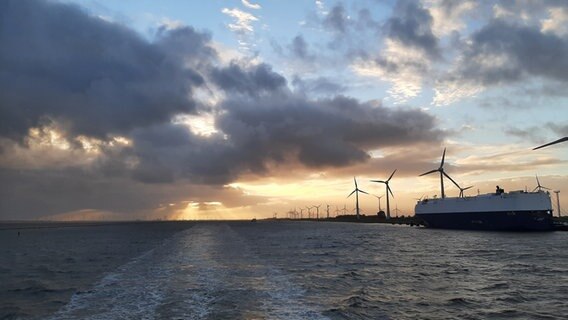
point(121, 110)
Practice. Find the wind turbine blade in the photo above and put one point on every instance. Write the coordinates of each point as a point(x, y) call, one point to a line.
point(537, 182)
point(443, 157)
point(447, 176)
point(379, 181)
point(363, 192)
point(467, 188)
point(351, 193)
point(355, 182)
point(392, 174)
point(431, 171)
point(389, 190)
point(551, 143)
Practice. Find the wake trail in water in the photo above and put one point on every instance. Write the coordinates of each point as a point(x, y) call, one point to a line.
point(206, 272)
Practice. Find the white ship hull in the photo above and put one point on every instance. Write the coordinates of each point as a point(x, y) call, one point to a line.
point(517, 210)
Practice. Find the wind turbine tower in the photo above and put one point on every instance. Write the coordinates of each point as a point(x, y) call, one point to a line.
point(327, 210)
point(379, 201)
point(317, 210)
point(462, 190)
point(558, 201)
point(388, 189)
point(356, 192)
point(442, 174)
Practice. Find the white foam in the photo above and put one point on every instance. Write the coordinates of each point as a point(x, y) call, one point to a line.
point(199, 273)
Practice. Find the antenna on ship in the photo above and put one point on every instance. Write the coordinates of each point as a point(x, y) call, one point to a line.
point(463, 189)
point(356, 192)
point(388, 189)
point(551, 143)
point(442, 174)
point(538, 186)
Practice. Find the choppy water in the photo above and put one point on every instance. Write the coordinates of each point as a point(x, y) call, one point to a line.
point(281, 270)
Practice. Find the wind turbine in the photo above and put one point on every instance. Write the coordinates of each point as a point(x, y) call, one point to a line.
point(327, 210)
point(388, 189)
point(539, 187)
point(442, 174)
point(553, 142)
point(337, 211)
point(301, 213)
point(309, 212)
point(356, 192)
point(345, 208)
point(318, 211)
point(396, 210)
point(379, 201)
point(463, 189)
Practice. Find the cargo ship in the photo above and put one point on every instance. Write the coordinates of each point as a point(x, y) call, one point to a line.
point(512, 211)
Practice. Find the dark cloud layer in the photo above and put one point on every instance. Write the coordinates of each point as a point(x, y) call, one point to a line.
point(411, 24)
point(98, 77)
point(502, 52)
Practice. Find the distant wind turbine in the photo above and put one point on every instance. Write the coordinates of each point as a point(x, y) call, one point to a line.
point(396, 210)
point(442, 174)
point(539, 187)
point(327, 210)
point(317, 210)
point(551, 143)
point(309, 212)
point(463, 189)
point(388, 189)
point(379, 201)
point(301, 213)
point(356, 192)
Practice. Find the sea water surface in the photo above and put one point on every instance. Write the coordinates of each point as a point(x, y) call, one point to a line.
point(280, 270)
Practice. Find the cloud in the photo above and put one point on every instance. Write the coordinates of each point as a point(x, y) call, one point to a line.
point(90, 118)
point(411, 25)
point(502, 53)
point(405, 67)
point(97, 77)
point(336, 20)
point(557, 22)
point(319, 85)
point(410, 49)
point(299, 48)
point(243, 20)
point(257, 80)
point(447, 15)
point(250, 5)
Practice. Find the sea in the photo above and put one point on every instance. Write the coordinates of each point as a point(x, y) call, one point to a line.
point(278, 270)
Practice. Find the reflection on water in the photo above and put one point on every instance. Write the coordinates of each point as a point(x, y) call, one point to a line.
point(297, 270)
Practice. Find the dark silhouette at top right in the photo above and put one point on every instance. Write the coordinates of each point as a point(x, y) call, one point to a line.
point(553, 142)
